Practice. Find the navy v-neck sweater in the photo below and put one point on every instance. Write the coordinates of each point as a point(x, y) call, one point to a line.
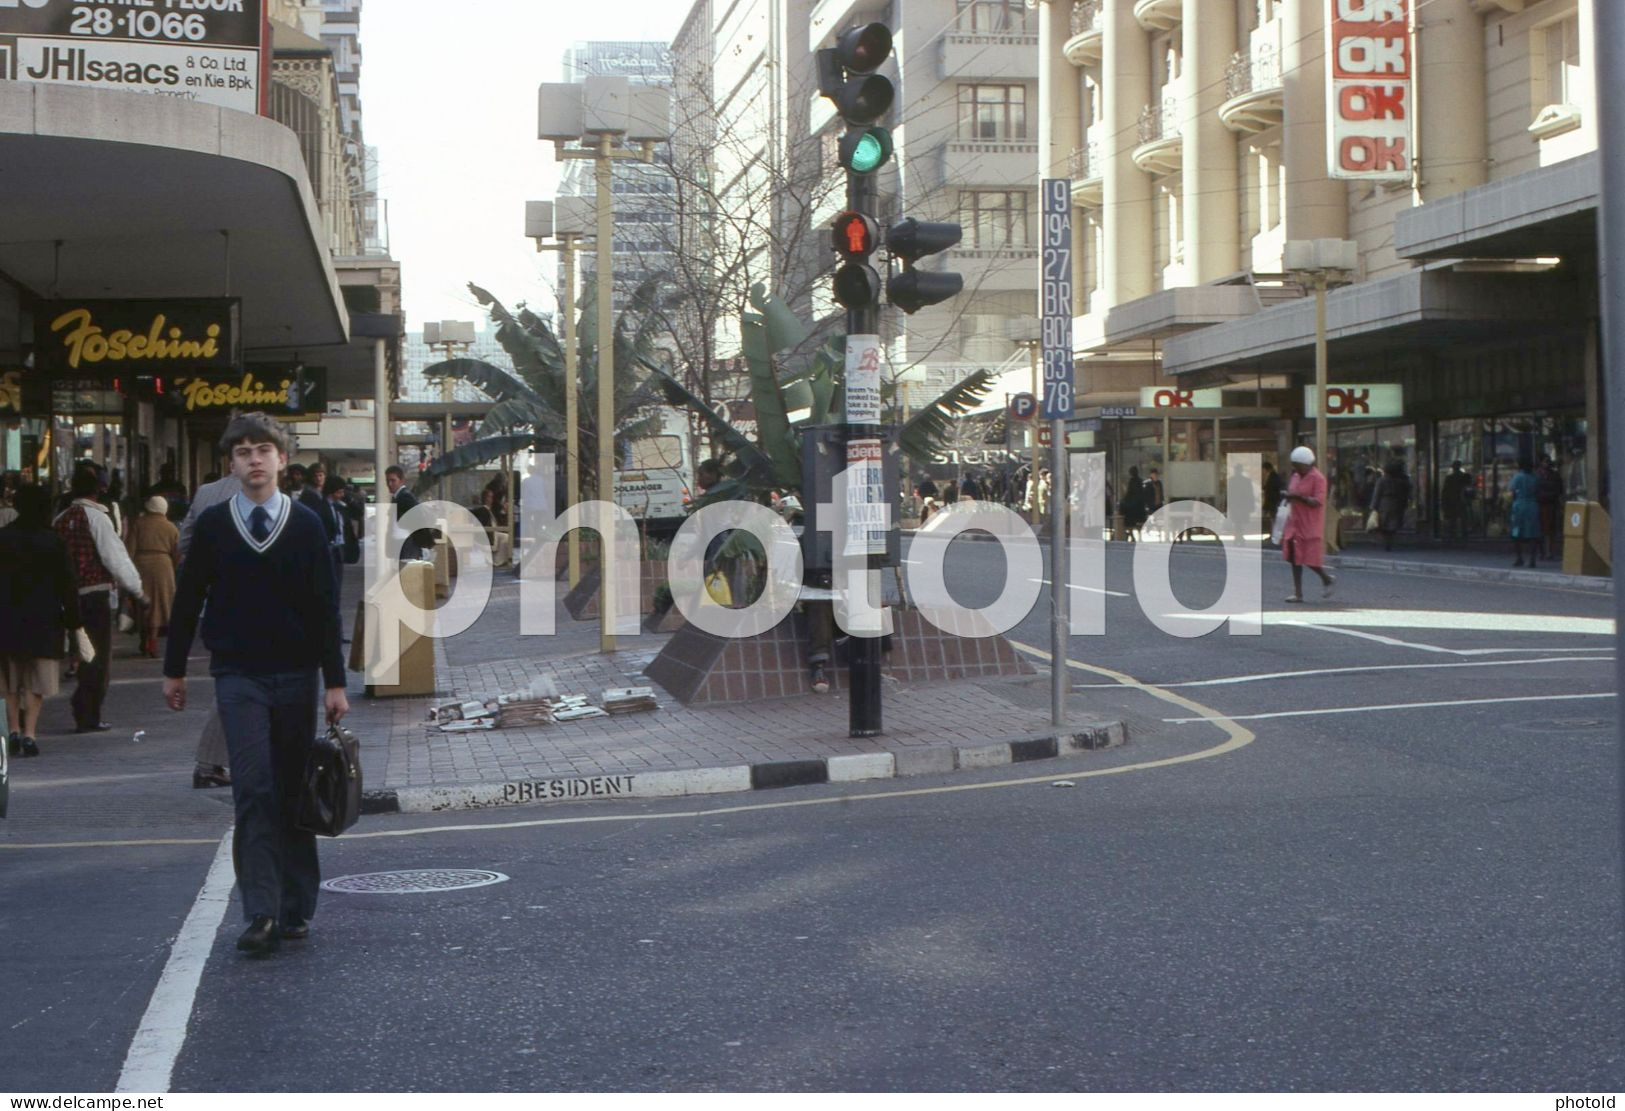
point(268, 612)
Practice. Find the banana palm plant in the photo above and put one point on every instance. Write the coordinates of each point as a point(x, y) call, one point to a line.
point(529, 408)
point(812, 396)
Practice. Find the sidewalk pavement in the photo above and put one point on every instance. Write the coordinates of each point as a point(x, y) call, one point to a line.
point(1481, 561)
point(410, 766)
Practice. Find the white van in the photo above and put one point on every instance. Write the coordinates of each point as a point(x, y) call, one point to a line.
point(655, 478)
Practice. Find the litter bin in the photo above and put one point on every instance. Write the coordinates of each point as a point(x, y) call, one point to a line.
point(1587, 540)
point(417, 651)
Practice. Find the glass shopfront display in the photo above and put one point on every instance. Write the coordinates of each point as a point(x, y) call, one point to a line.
point(1489, 450)
point(1358, 457)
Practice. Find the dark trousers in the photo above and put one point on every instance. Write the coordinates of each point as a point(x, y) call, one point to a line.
point(338, 582)
point(269, 721)
point(91, 692)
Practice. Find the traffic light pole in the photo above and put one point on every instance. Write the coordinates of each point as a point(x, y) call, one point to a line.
point(864, 718)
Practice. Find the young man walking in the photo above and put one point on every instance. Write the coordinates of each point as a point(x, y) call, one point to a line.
point(262, 564)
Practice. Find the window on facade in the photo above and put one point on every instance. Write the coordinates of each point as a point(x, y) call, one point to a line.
point(993, 218)
point(993, 15)
point(1563, 62)
point(1165, 59)
point(992, 112)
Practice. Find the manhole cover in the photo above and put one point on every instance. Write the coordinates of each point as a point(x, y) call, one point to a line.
point(413, 882)
point(1563, 725)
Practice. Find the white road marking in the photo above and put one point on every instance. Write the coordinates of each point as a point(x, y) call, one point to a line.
point(1089, 589)
point(1444, 620)
point(1401, 706)
point(1395, 642)
point(158, 1040)
point(1260, 677)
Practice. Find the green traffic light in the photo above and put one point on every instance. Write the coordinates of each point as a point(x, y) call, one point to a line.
point(863, 150)
point(870, 153)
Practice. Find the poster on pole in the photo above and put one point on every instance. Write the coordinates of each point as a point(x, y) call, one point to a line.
point(866, 502)
point(1056, 300)
point(862, 379)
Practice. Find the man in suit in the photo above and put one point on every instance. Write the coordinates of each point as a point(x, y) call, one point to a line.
point(413, 546)
point(263, 565)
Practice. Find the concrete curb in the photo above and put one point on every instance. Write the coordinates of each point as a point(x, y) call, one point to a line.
point(1512, 575)
point(746, 777)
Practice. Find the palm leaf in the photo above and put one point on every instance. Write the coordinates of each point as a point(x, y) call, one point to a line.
point(773, 431)
point(493, 381)
point(519, 412)
point(932, 426)
point(732, 439)
point(473, 455)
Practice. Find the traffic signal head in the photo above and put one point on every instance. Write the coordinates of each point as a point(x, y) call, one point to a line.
point(857, 286)
point(863, 150)
point(855, 236)
point(910, 240)
point(846, 74)
point(863, 49)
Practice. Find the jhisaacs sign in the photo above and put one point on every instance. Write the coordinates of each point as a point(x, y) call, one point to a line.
point(1358, 401)
point(130, 338)
point(297, 391)
point(208, 51)
point(1370, 89)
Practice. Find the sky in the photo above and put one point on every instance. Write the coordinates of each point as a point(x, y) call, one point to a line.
point(448, 95)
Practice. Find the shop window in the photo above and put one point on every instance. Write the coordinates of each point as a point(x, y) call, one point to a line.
point(1560, 78)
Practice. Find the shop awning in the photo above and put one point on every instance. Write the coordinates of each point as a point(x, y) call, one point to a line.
point(121, 195)
point(1138, 324)
point(1547, 212)
point(1431, 308)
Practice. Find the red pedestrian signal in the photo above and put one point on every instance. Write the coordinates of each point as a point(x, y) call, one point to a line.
point(855, 236)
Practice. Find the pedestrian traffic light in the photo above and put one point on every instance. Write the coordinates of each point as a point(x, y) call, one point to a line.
point(857, 284)
point(910, 240)
point(846, 75)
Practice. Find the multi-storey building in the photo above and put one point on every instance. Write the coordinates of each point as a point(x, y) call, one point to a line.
point(1197, 150)
point(643, 192)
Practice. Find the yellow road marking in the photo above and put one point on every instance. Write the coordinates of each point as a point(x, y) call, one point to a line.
point(1237, 736)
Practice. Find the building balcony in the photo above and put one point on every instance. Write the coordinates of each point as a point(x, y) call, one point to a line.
point(1085, 166)
point(1254, 96)
point(1158, 15)
point(1004, 162)
point(994, 268)
point(1006, 55)
point(1087, 44)
point(1161, 149)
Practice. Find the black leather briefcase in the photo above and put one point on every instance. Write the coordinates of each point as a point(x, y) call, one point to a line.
point(330, 796)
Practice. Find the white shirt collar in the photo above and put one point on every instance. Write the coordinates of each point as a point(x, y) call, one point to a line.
point(276, 507)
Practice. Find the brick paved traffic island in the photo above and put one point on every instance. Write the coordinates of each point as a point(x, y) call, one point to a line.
point(977, 720)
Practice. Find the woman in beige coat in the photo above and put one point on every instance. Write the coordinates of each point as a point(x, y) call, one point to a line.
point(155, 544)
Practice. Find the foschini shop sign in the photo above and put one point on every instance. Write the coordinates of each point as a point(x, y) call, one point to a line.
point(285, 390)
point(130, 338)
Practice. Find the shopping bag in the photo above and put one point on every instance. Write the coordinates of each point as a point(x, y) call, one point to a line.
point(1278, 529)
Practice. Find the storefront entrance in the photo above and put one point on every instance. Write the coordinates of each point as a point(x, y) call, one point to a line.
point(1489, 449)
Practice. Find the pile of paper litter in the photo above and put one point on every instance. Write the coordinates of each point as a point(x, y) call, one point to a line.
point(630, 700)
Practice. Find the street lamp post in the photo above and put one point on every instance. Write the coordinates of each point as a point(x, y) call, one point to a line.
point(449, 336)
point(595, 114)
point(566, 221)
point(1321, 262)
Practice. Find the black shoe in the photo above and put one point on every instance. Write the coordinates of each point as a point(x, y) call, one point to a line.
point(261, 937)
point(295, 929)
point(210, 775)
point(27, 747)
point(820, 679)
point(99, 727)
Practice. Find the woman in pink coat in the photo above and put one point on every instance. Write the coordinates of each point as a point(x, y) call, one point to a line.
point(1303, 542)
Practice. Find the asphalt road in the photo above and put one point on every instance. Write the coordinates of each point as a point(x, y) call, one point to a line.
point(1367, 893)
